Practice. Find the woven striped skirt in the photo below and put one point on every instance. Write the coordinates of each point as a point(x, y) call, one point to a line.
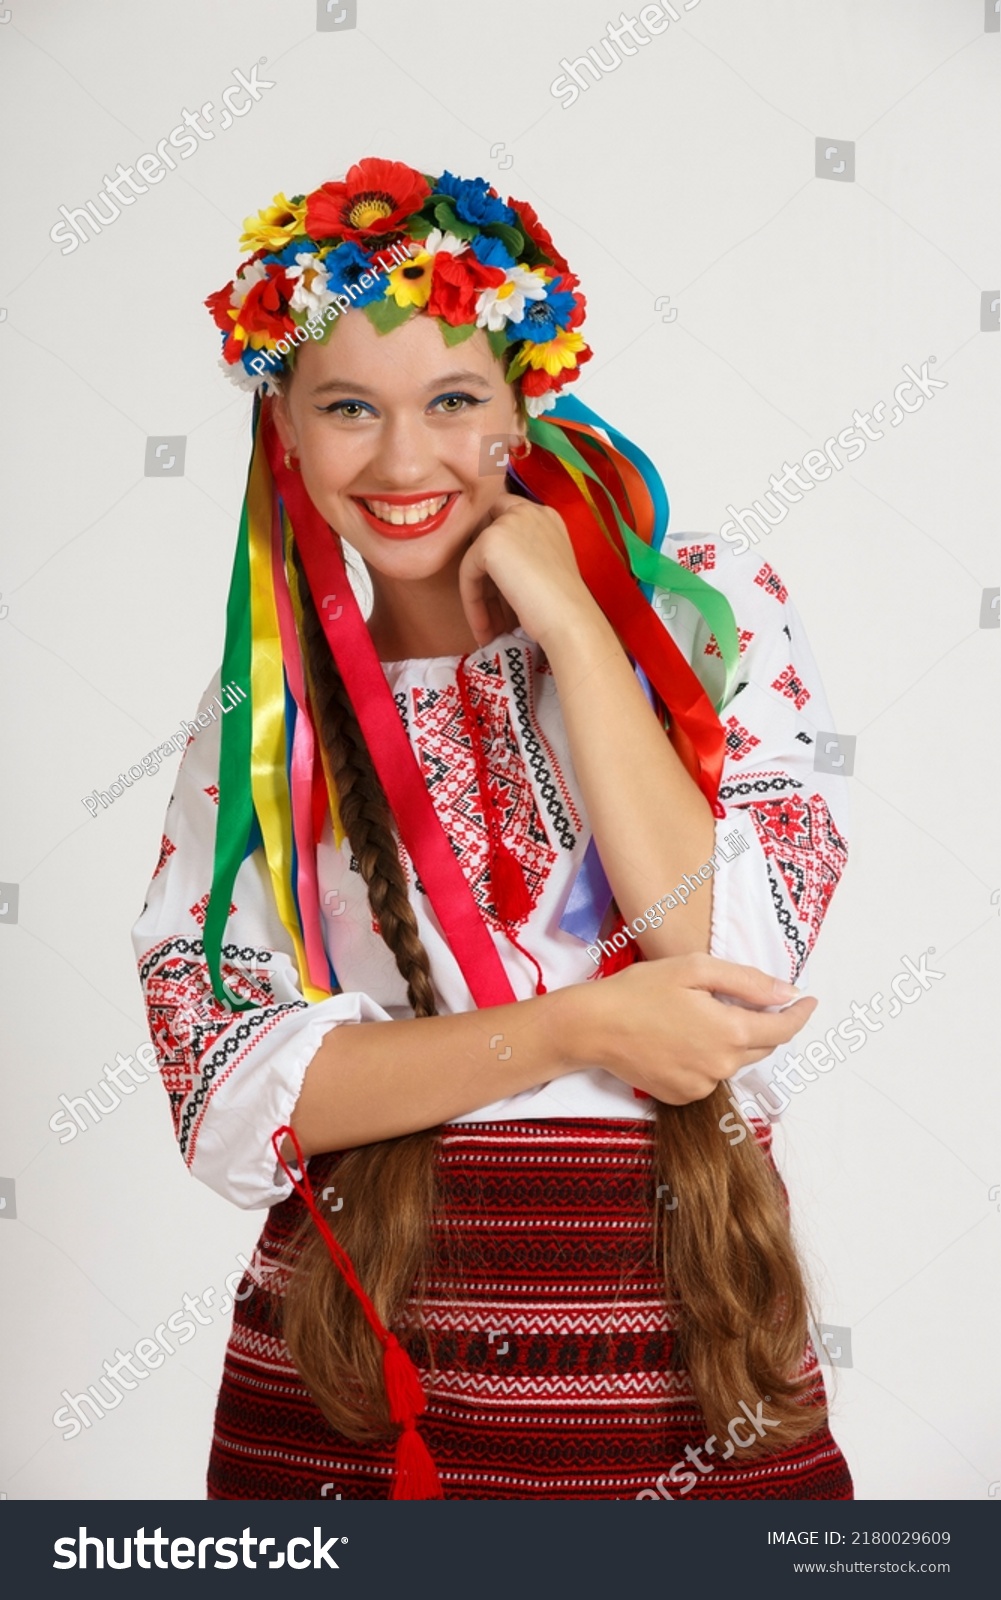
point(555, 1375)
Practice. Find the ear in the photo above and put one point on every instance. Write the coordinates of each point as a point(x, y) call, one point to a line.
point(282, 418)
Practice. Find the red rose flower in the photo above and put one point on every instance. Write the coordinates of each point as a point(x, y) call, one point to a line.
point(455, 285)
point(375, 198)
point(538, 234)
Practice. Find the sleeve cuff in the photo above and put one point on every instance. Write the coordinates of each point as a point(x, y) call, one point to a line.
point(232, 1152)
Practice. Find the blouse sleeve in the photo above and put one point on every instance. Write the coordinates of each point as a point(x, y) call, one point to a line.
point(781, 844)
point(232, 1077)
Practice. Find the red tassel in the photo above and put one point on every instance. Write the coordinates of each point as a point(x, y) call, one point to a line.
point(415, 1477)
point(508, 886)
point(403, 1386)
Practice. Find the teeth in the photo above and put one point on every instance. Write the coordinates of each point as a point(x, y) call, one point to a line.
point(406, 516)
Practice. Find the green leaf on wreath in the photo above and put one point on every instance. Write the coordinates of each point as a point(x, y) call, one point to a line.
point(387, 314)
point(456, 335)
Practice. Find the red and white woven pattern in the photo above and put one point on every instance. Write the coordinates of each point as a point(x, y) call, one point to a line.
point(555, 1373)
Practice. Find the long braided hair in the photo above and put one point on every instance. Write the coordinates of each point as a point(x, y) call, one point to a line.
point(725, 1253)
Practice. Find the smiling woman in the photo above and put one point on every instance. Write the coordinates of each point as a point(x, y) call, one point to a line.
point(418, 817)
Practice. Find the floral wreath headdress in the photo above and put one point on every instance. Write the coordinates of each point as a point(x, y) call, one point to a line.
point(393, 241)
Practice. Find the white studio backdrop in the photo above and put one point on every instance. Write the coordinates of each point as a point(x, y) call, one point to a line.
point(773, 209)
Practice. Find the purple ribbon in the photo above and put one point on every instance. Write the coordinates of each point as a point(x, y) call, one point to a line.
point(591, 892)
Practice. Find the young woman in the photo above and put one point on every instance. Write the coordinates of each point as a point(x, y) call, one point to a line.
point(549, 810)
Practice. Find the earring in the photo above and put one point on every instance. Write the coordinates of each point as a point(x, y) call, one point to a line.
point(291, 462)
point(521, 450)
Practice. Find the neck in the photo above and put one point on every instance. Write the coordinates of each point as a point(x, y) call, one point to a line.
point(415, 618)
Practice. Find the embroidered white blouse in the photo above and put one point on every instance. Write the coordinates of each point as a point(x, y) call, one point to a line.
point(234, 1077)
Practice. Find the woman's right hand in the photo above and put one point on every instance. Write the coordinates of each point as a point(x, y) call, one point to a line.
point(659, 1027)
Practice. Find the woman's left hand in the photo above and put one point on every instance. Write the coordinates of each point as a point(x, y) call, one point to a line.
point(521, 569)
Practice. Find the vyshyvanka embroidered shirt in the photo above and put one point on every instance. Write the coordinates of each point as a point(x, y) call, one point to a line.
point(233, 1077)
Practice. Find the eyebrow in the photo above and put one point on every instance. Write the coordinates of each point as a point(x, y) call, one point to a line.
point(339, 386)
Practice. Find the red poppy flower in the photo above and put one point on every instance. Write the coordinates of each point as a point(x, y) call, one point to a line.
point(376, 198)
point(220, 306)
point(265, 310)
point(456, 283)
point(539, 235)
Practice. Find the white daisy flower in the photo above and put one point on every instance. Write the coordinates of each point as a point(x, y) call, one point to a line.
point(536, 404)
point(436, 240)
point(506, 303)
point(237, 373)
point(310, 293)
point(244, 282)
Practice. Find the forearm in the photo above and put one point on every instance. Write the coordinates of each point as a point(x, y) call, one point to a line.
point(651, 822)
point(378, 1080)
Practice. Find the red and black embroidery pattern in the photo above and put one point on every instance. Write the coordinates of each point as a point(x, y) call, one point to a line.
point(769, 580)
point(744, 639)
point(789, 684)
point(167, 848)
point(739, 742)
point(444, 749)
point(808, 856)
point(200, 909)
point(547, 778)
point(697, 557)
point(197, 1040)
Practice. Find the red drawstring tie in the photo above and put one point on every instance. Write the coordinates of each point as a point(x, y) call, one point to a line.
point(415, 1476)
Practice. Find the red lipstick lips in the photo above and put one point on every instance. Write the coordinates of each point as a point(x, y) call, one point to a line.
point(404, 530)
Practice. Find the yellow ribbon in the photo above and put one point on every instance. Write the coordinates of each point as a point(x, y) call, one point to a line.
point(268, 778)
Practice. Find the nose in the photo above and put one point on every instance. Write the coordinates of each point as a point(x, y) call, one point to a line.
point(406, 454)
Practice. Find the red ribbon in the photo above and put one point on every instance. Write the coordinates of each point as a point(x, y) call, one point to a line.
point(420, 827)
point(415, 1475)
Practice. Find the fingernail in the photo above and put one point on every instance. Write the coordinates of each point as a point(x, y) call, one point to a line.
point(785, 991)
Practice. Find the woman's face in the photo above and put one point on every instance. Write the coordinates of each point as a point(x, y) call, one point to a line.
point(389, 430)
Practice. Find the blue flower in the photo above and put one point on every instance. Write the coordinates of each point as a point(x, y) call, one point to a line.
point(491, 252)
point(543, 318)
point(295, 247)
point(345, 266)
point(473, 200)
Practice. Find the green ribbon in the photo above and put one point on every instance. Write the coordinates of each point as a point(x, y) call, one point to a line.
point(649, 566)
point(235, 820)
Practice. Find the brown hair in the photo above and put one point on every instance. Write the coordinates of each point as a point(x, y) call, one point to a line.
point(725, 1253)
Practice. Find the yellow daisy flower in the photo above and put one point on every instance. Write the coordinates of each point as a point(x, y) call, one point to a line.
point(554, 355)
point(273, 227)
point(410, 284)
